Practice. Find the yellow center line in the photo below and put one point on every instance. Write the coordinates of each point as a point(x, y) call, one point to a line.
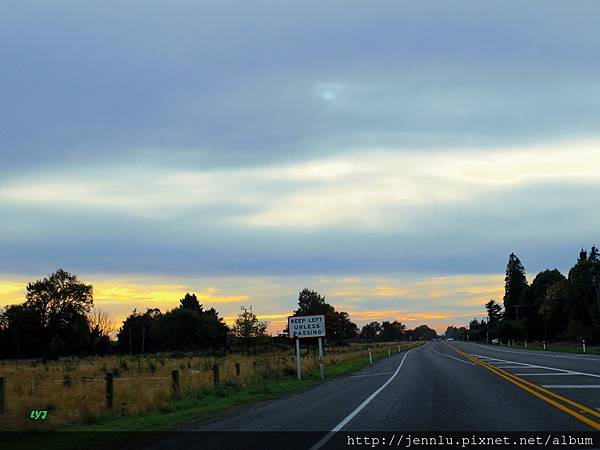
point(532, 389)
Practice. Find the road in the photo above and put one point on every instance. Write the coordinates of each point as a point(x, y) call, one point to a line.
point(441, 386)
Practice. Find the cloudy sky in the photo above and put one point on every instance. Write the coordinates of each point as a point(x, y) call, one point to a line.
point(389, 154)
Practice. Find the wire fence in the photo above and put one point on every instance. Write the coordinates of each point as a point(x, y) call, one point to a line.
point(36, 396)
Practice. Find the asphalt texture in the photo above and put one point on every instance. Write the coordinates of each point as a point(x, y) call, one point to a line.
point(435, 388)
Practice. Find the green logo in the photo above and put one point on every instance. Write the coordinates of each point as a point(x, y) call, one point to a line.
point(38, 415)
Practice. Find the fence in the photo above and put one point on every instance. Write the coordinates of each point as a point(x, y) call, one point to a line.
point(85, 389)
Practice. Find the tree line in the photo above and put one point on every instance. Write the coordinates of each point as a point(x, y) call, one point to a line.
point(58, 318)
point(554, 307)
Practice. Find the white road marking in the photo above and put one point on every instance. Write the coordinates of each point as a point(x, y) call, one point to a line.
point(370, 374)
point(545, 374)
point(571, 386)
point(523, 366)
point(449, 356)
point(351, 416)
point(533, 352)
point(533, 366)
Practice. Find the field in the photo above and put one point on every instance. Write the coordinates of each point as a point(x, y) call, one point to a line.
point(74, 390)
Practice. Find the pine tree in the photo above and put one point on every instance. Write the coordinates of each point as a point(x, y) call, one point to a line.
point(515, 285)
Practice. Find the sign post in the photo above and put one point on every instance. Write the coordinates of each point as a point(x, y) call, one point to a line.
point(300, 327)
point(321, 358)
point(298, 361)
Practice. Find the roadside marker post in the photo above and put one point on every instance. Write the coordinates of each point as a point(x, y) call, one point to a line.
point(544, 343)
point(307, 327)
point(389, 352)
point(370, 356)
point(398, 349)
point(584, 346)
point(525, 344)
point(321, 369)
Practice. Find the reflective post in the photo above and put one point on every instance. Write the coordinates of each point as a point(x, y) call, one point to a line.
point(321, 358)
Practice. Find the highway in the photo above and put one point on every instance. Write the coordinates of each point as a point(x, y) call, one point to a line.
point(440, 386)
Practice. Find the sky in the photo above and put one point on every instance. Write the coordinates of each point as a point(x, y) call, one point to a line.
point(388, 154)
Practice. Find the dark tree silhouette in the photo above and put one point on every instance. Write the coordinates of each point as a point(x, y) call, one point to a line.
point(338, 326)
point(392, 331)
point(53, 319)
point(515, 285)
point(371, 331)
point(248, 329)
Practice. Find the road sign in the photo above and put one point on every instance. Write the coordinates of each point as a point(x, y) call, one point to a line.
point(306, 326)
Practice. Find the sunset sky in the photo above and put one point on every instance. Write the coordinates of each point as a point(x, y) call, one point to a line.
point(388, 154)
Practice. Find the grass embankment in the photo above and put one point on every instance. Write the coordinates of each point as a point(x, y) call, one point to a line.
point(209, 401)
point(566, 347)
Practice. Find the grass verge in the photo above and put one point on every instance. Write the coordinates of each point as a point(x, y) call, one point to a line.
point(556, 347)
point(106, 430)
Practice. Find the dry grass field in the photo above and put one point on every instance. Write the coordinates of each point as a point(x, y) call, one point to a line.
point(73, 390)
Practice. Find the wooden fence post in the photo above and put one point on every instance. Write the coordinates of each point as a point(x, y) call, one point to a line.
point(2, 395)
point(109, 390)
point(175, 385)
point(216, 375)
point(237, 369)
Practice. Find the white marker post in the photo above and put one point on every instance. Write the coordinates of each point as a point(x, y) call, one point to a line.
point(298, 362)
point(370, 356)
point(584, 346)
point(307, 327)
point(321, 369)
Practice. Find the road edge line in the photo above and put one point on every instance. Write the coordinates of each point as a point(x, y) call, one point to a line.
point(358, 409)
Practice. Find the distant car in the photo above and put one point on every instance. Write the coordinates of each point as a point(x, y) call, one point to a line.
point(495, 341)
point(450, 339)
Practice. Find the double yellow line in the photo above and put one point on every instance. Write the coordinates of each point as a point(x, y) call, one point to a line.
point(574, 409)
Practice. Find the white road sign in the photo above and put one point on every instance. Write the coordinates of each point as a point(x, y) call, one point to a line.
point(306, 326)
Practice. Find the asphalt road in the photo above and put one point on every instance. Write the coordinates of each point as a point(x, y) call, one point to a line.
point(441, 387)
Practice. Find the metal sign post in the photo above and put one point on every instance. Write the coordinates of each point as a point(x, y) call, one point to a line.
point(307, 327)
point(321, 358)
point(298, 361)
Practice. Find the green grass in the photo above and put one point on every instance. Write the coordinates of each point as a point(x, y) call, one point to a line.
point(558, 347)
point(194, 406)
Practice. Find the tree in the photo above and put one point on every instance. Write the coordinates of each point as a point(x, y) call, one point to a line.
point(515, 285)
point(338, 326)
point(20, 332)
point(371, 331)
point(477, 330)
point(584, 278)
point(248, 329)
point(422, 332)
point(392, 331)
point(552, 311)
point(60, 303)
point(139, 332)
point(101, 326)
point(494, 311)
point(532, 299)
point(187, 327)
point(190, 301)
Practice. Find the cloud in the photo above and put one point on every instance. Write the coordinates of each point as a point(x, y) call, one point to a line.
point(370, 188)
